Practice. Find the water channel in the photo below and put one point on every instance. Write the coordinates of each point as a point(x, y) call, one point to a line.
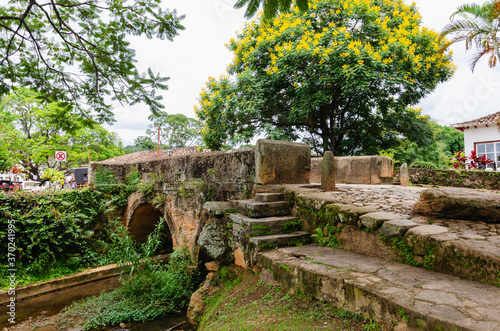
point(52, 303)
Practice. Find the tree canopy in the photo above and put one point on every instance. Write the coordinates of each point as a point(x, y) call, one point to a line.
point(271, 8)
point(32, 131)
point(478, 25)
point(443, 143)
point(176, 131)
point(76, 52)
point(340, 75)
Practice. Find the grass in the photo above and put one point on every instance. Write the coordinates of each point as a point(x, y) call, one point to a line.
point(246, 303)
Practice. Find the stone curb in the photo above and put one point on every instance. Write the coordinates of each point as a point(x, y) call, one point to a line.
point(79, 278)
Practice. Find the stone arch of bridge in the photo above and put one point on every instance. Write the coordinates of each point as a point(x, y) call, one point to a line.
point(141, 218)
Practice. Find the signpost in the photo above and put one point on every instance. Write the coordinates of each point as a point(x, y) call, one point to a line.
point(60, 156)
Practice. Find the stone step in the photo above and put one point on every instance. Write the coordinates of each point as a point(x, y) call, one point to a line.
point(382, 290)
point(269, 197)
point(259, 209)
point(278, 240)
point(275, 224)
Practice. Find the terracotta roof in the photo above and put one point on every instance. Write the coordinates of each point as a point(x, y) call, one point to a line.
point(144, 156)
point(492, 118)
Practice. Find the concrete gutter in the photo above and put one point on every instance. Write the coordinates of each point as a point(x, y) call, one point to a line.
point(79, 278)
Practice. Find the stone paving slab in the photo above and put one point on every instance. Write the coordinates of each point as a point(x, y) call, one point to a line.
point(378, 289)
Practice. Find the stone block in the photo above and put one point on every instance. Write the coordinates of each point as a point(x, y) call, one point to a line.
point(258, 209)
point(328, 172)
point(420, 237)
point(397, 228)
point(252, 226)
point(459, 203)
point(357, 170)
point(269, 197)
point(375, 220)
point(212, 266)
point(404, 177)
point(218, 208)
point(282, 162)
point(213, 241)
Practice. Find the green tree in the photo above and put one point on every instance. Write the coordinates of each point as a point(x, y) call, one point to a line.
point(341, 75)
point(77, 51)
point(478, 26)
point(33, 130)
point(144, 143)
point(271, 8)
point(443, 143)
point(53, 175)
point(176, 130)
point(5, 158)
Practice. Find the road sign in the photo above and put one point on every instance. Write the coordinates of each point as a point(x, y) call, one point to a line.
point(60, 156)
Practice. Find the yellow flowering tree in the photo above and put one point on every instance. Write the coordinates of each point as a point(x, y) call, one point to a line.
point(340, 75)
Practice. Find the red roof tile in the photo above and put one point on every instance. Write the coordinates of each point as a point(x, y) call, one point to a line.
point(144, 156)
point(492, 118)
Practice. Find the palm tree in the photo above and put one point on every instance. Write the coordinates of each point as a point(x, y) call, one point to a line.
point(478, 25)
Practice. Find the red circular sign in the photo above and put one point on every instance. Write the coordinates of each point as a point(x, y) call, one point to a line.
point(61, 156)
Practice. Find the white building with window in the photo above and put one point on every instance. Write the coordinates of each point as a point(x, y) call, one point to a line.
point(482, 135)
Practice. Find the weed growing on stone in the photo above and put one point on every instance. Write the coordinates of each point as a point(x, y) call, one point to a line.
point(292, 226)
point(329, 239)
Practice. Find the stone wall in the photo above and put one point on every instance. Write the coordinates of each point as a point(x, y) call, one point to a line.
point(357, 170)
point(231, 171)
point(184, 184)
point(450, 177)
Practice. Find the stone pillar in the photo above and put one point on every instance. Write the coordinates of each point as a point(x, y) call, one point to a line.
point(404, 176)
point(328, 172)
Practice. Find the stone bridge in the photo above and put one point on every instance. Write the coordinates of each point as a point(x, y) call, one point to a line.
point(184, 183)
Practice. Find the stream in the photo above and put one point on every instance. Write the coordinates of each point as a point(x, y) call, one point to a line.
point(52, 303)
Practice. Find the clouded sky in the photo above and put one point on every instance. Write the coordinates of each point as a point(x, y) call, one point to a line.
point(199, 52)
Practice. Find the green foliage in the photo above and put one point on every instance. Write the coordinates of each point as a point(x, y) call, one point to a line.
point(145, 295)
point(78, 52)
point(53, 175)
point(59, 234)
point(33, 130)
point(339, 76)
point(292, 226)
point(442, 143)
point(176, 130)
point(403, 316)
point(6, 161)
point(52, 231)
point(325, 236)
point(105, 181)
point(271, 8)
point(151, 184)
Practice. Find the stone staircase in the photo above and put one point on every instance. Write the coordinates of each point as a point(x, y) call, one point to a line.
point(265, 222)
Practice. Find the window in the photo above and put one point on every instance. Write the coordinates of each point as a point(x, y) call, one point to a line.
point(492, 151)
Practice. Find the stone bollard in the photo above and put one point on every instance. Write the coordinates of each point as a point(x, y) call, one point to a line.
point(328, 172)
point(404, 176)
